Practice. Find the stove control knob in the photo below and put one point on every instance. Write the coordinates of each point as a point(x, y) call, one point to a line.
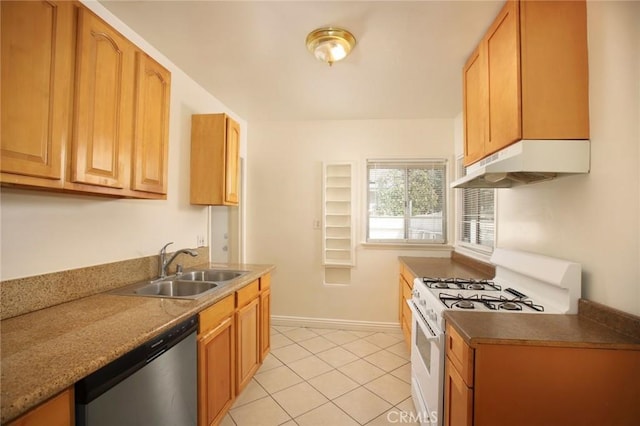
point(415, 293)
point(432, 315)
point(423, 302)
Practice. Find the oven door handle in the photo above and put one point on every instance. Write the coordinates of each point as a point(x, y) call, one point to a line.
point(431, 332)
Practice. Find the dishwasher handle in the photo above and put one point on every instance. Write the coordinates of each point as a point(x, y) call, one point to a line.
point(97, 383)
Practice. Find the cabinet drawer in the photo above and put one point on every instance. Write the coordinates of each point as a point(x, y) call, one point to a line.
point(460, 354)
point(247, 294)
point(407, 275)
point(406, 292)
point(265, 282)
point(212, 316)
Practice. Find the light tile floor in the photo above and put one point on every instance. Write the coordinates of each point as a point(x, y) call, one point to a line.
point(328, 377)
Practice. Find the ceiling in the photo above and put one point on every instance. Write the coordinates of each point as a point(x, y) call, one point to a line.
point(252, 56)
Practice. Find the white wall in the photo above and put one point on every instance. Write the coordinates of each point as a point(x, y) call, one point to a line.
point(284, 184)
point(45, 232)
point(594, 219)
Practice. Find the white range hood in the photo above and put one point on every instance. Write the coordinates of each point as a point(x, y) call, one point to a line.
point(527, 161)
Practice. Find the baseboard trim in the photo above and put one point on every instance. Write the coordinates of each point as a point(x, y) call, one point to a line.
point(289, 321)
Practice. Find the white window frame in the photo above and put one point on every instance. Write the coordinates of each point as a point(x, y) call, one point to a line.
point(408, 163)
point(460, 193)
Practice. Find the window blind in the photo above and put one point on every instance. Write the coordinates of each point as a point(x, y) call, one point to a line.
point(476, 223)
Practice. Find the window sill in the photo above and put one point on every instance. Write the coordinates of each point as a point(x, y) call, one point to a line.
point(408, 246)
point(478, 254)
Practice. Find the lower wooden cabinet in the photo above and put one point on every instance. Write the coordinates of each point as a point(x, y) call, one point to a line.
point(265, 316)
point(515, 384)
point(233, 340)
point(216, 362)
point(404, 313)
point(247, 334)
point(58, 411)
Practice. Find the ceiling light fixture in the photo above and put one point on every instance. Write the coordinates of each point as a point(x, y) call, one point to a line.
point(330, 44)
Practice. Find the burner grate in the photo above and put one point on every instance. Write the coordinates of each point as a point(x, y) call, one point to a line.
point(493, 303)
point(460, 284)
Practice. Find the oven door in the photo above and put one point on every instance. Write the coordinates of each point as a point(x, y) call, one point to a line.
point(427, 368)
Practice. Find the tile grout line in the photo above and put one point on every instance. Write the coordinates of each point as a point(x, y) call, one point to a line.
point(333, 368)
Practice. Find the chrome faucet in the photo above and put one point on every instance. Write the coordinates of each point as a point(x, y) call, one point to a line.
point(164, 263)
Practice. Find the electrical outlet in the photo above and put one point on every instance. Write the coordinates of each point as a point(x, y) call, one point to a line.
point(316, 224)
point(200, 239)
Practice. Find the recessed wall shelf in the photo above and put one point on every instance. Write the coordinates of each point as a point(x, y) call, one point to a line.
point(338, 203)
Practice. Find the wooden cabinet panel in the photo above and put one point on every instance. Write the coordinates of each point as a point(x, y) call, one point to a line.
point(265, 324)
point(503, 67)
point(404, 313)
point(247, 293)
point(58, 411)
point(458, 398)
point(474, 84)
point(247, 343)
point(232, 166)
point(212, 316)
point(556, 385)
point(37, 62)
point(151, 138)
point(528, 78)
point(73, 98)
point(104, 104)
point(215, 144)
point(216, 373)
point(555, 77)
point(460, 354)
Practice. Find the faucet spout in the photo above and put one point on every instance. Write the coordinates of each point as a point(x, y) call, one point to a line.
point(164, 263)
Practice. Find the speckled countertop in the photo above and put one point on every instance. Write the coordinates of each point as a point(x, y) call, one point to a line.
point(446, 268)
point(46, 351)
point(537, 329)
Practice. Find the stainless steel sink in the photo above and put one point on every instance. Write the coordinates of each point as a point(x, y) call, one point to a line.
point(175, 288)
point(188, 285)
point(212, 275)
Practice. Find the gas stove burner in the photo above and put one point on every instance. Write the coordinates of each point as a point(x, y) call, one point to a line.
point(461, 302)
point(505, 304)
point(464, 304)
point(440, 285)
point(475, 286)
point(510, 306)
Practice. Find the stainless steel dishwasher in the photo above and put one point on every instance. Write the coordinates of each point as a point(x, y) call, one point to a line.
point(153, 385)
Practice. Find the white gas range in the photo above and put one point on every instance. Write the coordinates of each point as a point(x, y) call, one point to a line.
point(524, 283)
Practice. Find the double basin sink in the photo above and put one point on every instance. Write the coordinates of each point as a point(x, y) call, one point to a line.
point(187, 285)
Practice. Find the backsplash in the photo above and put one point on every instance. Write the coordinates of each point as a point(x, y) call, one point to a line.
point(22, 295)
point(622, 322)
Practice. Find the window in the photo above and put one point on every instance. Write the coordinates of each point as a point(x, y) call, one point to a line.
point(406, 201)
point(476, 218)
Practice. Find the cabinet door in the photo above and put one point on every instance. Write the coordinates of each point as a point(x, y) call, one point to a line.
point(504, 88)
point(474, 86)
point(151, 138)
point(232, 166)
point(58, 411)
point(37, 65)
point(458, 398)
point(216, 361)
point(104, 104)
point(265, 324)
point(247, 343)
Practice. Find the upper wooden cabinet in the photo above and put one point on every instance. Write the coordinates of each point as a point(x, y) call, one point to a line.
point(528, 78)
point(151, 137)
point(37, 62)
point(102, 122)
point(215, 154)
point(83, 109)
